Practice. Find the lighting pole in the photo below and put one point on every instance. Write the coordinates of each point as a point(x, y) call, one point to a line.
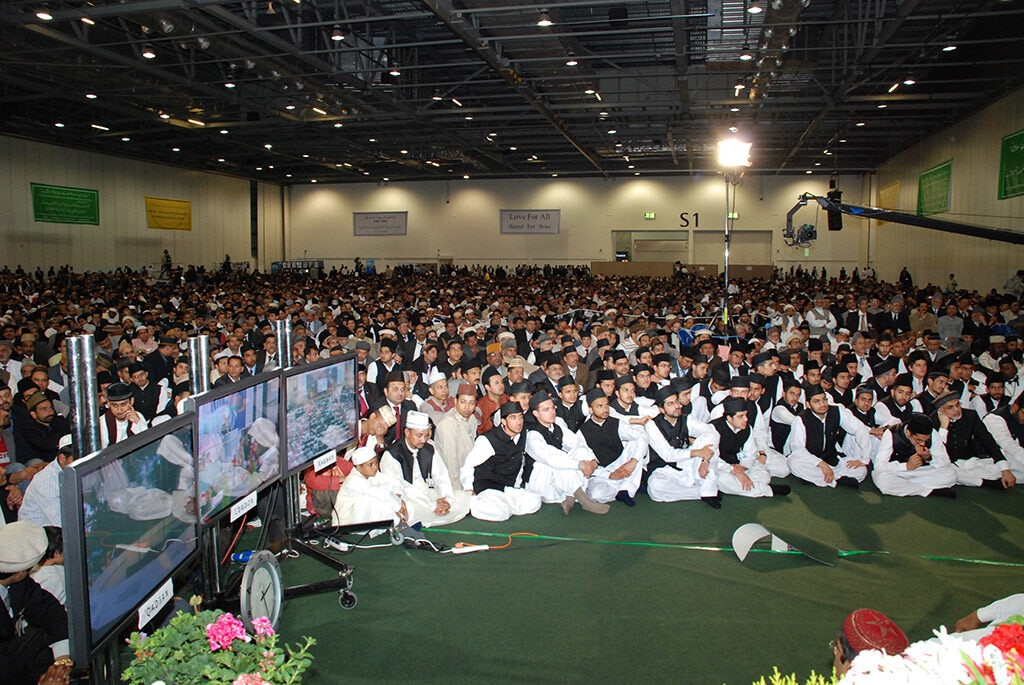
point(733, 158)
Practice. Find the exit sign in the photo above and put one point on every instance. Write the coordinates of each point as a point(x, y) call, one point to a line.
point(733, 215)
point(649, 215)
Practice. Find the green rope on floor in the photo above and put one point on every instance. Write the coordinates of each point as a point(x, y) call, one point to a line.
point(712, 548)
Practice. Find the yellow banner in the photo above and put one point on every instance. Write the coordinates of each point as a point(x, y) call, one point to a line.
point(889, 198)
point(175, 215)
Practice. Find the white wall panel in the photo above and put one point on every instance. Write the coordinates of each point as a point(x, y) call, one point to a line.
point(220, 211)
point(459, 219)
point(974, 147)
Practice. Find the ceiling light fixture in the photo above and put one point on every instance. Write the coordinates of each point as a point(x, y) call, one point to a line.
point(337, 34)
point(571, 62)
point(859, 123)
point(91, 96)
point(612, 131)
point(148, 52)
point(175, 149)
point(754, 7)
point(125, 139)
point(59, 125)
point(456, 102)
point(545, 19)
point(395, 71)
point(949, 48)
point(436, 97)
point(338, 125)
point(734, 109)
point(229, 84)
point(746, 55)
point(290, 106)
point(894, 86)
point(100, 127)
point(223, 131)
point(909, 81)
point(321, 112)
point(44, 15)
point(87, 20)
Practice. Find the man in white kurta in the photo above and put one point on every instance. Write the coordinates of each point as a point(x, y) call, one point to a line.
point(911, 461)
point(456, 432)
point(973, 451)
point(414, 460)
point(682, 462)
point(739, 470)
point(816, 443)
point(1006, 425)
point(562, 460)
point(621, 451)
point(493, 471)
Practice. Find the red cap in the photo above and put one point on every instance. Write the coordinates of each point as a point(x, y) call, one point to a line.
point(870, 629)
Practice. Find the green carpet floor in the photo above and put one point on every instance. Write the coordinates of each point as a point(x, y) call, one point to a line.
point(600, 610)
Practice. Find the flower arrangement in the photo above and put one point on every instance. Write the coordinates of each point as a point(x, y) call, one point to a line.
point(996, 659)
point(213, 646)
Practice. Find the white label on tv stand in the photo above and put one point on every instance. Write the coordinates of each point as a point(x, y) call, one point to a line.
point(328, 458)
point(152, 606)
point(243, 505)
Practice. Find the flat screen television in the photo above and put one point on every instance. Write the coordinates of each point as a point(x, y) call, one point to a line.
point(321, 412)
point(237, 442)
point(129, 523)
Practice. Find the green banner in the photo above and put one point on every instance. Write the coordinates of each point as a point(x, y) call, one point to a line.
point(1011, 166)
point(64, 205)
point(934, 188)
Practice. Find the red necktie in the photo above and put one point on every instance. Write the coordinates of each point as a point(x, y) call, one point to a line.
point(364, 408)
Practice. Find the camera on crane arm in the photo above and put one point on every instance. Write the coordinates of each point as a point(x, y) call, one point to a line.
point(835, 217)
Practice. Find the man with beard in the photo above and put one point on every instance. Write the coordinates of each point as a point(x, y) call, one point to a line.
point(817, 444)
point(971, 448)
point(682, 458)
point(44, 431)
point(621, 450)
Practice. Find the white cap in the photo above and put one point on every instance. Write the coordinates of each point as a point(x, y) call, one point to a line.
point(363, 454)
point(434, 376)
point(22, 545)
point(417, 420)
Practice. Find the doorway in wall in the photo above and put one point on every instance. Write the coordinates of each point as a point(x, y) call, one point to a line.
point(653, 246)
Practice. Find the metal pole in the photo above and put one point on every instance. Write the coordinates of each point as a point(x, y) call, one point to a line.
point(283, 331)
point(292, 509)
point(199, 364)
point(725, 294)
point(84, 401)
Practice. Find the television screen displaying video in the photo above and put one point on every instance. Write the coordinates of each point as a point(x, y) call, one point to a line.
point(321, 415)
point(129, 523)
point(237, 429)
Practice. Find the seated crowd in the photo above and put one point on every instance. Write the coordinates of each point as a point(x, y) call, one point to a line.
point(508, 389)
point(490, 392)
